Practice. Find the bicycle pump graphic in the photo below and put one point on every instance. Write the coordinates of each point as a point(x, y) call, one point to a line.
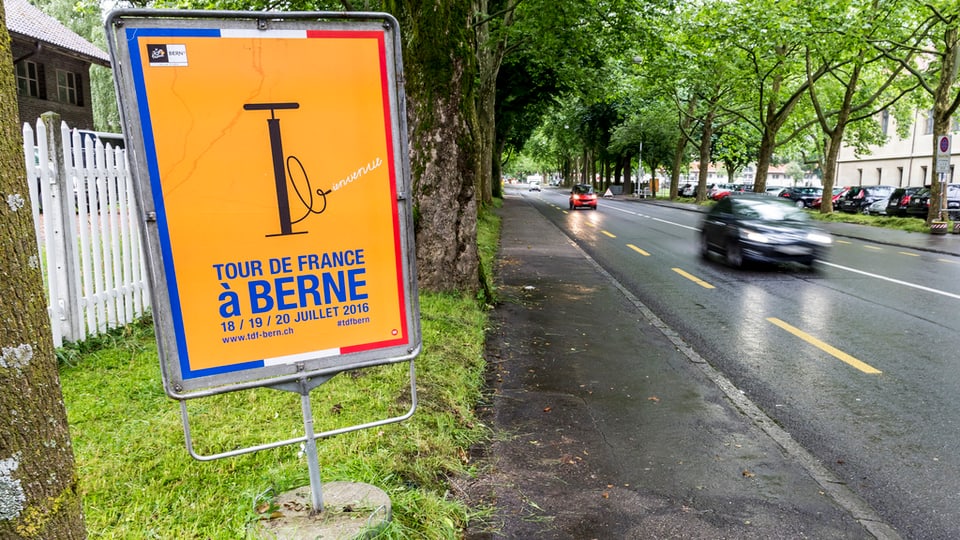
point(281, 169)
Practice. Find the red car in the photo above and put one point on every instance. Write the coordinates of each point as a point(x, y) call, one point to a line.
point(837, 193)
point(719, 191)
point(583, 196)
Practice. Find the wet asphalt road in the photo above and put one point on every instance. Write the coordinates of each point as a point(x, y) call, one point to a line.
point(889, 432)
point(616, 416)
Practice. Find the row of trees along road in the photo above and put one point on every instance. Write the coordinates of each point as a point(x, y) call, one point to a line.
point(587, 81)
point(760, 81)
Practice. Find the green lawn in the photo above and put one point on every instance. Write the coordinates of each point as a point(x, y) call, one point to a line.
point(139, 482)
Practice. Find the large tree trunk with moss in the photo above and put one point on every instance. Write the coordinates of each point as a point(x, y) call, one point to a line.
point(39, 497)
point(440, 67)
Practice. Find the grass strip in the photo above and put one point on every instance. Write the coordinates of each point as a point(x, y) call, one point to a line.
point(138, 480)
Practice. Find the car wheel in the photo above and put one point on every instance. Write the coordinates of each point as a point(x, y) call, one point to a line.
point(571, 206)
point(704, 246)
point(800, 204)
point(865, 210)
point(734, 255)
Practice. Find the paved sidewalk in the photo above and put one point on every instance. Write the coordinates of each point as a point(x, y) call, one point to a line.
point(609, 426)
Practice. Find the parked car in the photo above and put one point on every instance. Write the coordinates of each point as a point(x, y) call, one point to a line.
point(919, 205)
point(719, 191)
point(583, 196)
point(899, 200)
point(774, 190)
point(859, 198)
point(878, 208)
point(750, 227)
point(838, 193)
point(801, 197)
point(534, 186)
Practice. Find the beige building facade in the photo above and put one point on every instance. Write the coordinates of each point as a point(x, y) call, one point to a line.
point(901, 162)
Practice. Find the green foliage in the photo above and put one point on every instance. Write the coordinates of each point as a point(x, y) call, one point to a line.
point(138, 480)
point(908, 224)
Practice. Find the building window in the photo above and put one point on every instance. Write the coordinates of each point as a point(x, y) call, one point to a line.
point(68, 87)
point(928, 129)
point(885, 122)
point(28, 80)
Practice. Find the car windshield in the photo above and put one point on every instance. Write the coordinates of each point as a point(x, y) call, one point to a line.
point(768, 210)
point(583, 189)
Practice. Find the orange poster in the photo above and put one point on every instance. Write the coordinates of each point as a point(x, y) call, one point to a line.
point(273, 175)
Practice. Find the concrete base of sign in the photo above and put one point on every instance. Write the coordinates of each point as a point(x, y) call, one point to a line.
point(350, 511)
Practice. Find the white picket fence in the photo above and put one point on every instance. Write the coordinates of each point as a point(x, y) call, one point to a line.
point(88, 239)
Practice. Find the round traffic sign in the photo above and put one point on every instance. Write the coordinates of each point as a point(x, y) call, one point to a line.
point(944, 144)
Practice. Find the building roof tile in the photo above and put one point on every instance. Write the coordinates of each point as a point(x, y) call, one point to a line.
point(25, 19)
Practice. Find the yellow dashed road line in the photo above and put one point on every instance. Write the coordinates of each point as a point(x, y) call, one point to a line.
point(694, 279)
point(829, 349)
point(638, 250)
point(611, 235)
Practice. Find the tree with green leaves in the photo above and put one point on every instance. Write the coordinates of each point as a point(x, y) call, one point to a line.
point(769, 39)
point(39, 495)
point(735, 146)
point(931, 52)
point(538, 50)
point(859, 83)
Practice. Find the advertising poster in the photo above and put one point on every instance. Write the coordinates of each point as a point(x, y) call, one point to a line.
point(270, 156)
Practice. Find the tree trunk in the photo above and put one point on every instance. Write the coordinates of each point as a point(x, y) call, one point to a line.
point(831, 153)
point(764, 155)
point(440, 64)
point(705, 144)
point(943, 108)
point(488, 62)
point(773, 119)
point(686, 120)
point(490, 55)
point(497, 172)
point(39, 497)
point(627, 176)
